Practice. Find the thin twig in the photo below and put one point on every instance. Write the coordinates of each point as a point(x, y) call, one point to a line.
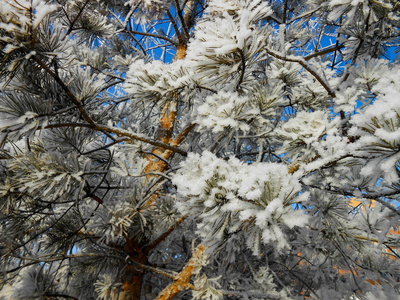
point(305, 65)
point(243, 69)
point(76, 18)
point(323, 52)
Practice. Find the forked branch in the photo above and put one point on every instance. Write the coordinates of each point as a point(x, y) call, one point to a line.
point(305, 65)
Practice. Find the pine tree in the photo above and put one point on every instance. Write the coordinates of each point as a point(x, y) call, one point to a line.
point(191, 149)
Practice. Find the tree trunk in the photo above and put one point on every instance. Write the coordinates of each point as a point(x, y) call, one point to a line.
point(134, 275)
point(133, 279)
point(133, 283)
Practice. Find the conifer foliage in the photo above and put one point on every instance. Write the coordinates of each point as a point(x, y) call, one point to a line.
point(199, 149)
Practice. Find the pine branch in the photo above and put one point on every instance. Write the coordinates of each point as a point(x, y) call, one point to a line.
point(106, 146)
point(77, 17)
point(151, 35)
point(176, 28)
point(121, 133)
point(323, 52)
point(180, 15)
point(172, 275)
point(306, 14)
point(243, 69)
point(184, 133)
point(305, 65)
point(370, 196)
point(47, 228)
point(162, 238)
point(70, 95)
point(183, 279)
point(373, 196)
point(156, 156)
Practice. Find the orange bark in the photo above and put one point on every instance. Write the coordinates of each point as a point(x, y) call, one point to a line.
point(166, 131)
point(132, 283)
point(133, 276)
point(183, 281)
point(132, 286)
point(181, 51)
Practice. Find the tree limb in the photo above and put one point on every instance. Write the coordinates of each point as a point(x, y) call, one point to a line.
point(305, 65)
point(120, 132)
point(323, 52)
point(183, 279)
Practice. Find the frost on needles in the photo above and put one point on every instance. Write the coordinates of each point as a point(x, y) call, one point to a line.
point(199, 149)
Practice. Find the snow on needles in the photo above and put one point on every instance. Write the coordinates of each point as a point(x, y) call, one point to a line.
point(378, 127)
point(229, 196)
point(229, 35)
point(223, 110)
